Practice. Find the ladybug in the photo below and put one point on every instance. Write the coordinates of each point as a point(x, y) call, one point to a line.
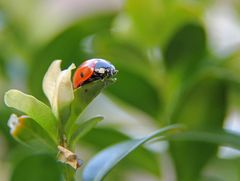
point(91, 70)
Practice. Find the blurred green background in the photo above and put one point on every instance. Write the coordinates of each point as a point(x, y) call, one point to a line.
point(178, 62)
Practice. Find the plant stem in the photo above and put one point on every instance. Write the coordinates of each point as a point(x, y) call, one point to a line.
point(68, 173)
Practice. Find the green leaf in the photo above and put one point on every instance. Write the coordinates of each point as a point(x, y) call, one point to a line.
point(37, 168)
point(100, 138)
point(35, 109)
point(187, 47)
point(220, 137)
point(28, 132)
point(57, 86)
point(83, 96)
point(102, 163)
point(194, 99)
point(84, 128)
point(203, 107)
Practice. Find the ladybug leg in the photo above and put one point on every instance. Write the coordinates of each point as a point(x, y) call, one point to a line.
point(94, 77)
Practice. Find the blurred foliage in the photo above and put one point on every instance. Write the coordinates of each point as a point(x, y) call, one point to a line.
point(149, 162)
point(38, 166)
point(167, 72)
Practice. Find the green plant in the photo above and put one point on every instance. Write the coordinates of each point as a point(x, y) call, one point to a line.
point(56, 130)
point(170, 73)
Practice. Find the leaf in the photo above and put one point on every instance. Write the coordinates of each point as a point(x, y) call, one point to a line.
point(100, 138)
point(29, 133)
point(34, 108)
point(57, 86)
point(37, 168)
point(220, 137)
point(201, 108)
point(50, 80)
point(187, 47)
point(193, 99)
point(84, 96)
point(102, 163)
point(84, 128)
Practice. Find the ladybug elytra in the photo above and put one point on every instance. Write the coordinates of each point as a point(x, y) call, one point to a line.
point(91, 70)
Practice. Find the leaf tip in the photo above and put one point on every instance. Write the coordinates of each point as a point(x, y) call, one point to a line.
point(16, 123)
point(7, 96)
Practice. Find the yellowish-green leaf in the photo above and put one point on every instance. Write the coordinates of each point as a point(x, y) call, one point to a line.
point(57, 86)
point(83, 97)
point(50, 79)
point(35, 109)
point(28, 132)
point(84, 128)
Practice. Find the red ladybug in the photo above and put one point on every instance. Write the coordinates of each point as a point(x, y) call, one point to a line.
point(91, 70)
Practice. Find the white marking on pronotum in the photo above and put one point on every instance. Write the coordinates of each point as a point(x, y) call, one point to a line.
point(100, 70)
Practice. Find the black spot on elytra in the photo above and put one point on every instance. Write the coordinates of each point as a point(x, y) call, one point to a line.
point(81, 74)
point(85, 90)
